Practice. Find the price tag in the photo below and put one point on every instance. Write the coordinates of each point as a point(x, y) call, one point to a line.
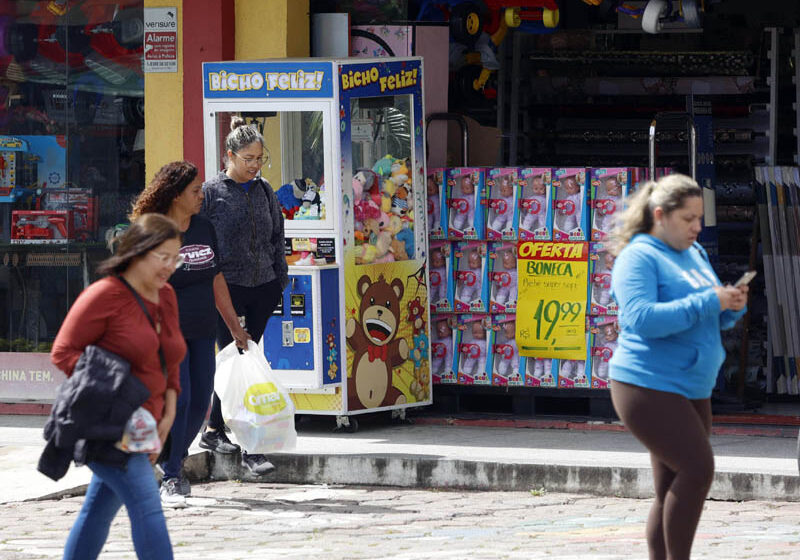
point(551, 306)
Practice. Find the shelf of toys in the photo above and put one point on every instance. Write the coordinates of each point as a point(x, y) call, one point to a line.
point(476, 217)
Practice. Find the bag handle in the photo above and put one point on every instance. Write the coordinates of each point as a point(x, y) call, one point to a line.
point(152, 324)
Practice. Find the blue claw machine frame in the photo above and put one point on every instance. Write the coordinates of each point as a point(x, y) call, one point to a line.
point(345, 152)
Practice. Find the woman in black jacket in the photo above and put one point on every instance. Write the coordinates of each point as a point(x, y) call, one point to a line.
point(249, 224)
point(201, 289)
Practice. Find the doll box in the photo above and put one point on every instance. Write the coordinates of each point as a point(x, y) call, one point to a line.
point(472, 350)
point(440, 277)
point(466, 207)
point(502, 276)
point(601, 262)
point(539, 372)
point(506, 361)
point(570, 204)
point(603, 336)
point(534, 204)
point(442, 344)
point(436, 204)
point(501, 212)
point(609, 187)
point(470, 277)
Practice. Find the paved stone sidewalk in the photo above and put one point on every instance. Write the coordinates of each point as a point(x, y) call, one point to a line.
point(228, 520)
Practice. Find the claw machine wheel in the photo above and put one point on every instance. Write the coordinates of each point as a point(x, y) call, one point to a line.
point(346, 424)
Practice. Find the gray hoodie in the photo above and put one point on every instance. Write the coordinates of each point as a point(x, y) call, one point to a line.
point(249, 227)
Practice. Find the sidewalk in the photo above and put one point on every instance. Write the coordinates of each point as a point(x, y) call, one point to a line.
point(594, 460)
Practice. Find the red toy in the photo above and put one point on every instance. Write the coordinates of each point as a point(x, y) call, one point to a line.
point(42, 226)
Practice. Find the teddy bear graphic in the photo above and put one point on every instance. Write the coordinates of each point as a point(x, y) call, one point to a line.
point(377, 351)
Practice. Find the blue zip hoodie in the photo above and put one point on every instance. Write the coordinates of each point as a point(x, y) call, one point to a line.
point(669, 317)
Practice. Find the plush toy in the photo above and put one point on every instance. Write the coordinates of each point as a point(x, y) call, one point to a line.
point(371, 229)
point(366, 186)
point(387, 192)
point(378, 238)
point(399, 172)
point(312, 198)
point(395, 224)
point(383, 166)
point(290, 196)
point(400, 201)
point(398, 249)
point(406, 237)
point(384, 243)
point(366, 209)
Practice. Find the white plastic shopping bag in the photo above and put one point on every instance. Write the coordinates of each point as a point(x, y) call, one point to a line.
point(256, 408)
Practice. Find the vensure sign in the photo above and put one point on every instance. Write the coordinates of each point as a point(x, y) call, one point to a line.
point(551, 306)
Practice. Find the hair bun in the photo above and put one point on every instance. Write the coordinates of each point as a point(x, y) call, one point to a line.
point(236, 122)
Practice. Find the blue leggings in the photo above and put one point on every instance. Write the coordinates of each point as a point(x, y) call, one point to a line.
point(135, 486)
point(197, 384)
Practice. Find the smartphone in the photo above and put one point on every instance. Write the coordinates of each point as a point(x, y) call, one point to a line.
point(745, 279)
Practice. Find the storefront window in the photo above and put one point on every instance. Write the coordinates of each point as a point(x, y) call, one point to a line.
point(71, 153)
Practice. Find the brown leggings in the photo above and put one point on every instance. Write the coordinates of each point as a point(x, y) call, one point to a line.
point(676, 432)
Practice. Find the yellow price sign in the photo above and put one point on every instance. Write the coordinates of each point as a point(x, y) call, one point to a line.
point(551, 306)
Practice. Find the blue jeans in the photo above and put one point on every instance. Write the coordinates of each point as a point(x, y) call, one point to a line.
point(111, 487)
point(197, 384)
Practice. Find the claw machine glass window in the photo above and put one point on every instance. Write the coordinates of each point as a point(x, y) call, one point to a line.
point(293, 162)
point(382, 151)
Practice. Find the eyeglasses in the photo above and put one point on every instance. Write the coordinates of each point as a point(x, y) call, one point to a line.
point(169, 260)
point(250, 159)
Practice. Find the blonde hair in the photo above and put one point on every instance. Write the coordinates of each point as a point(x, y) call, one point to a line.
point(670, 193)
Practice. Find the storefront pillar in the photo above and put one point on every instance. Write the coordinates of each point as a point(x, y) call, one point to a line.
point(213, 30)
point(210, 32)
point(163, 94)
point(271, 29)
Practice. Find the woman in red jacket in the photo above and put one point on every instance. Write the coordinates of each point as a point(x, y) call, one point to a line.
point(108, 315)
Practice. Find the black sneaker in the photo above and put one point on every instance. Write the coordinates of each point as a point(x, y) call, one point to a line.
point(184, 487)
point(257, 464)
point(171, 495)
point(218, 442)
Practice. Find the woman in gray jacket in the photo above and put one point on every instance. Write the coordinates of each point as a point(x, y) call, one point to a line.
point(249, 224)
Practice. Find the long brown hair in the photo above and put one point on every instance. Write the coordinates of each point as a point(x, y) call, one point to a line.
point(147, 232)
point(170, 181)
point(670, 193)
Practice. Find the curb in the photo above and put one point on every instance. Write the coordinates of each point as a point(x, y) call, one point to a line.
point(731, 425)
point(422, 472)
point(408, 471)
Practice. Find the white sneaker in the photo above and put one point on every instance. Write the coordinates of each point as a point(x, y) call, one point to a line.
point(171, 494)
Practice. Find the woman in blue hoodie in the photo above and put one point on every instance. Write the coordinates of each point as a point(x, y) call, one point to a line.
point(671, 310)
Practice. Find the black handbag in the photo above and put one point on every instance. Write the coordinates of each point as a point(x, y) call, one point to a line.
point(90, 412)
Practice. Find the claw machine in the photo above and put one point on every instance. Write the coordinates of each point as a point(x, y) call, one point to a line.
point(345, 154)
